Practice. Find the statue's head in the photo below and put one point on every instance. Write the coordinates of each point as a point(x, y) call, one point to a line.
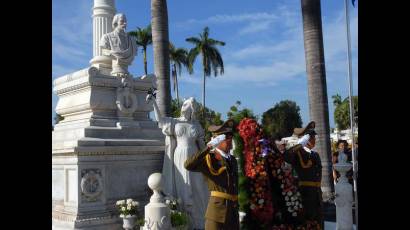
point(188, 109)
point(120, 21)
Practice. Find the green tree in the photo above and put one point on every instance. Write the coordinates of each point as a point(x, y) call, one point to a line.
point(280, 120)
point(337, 100)
point(143, 37)
point(179, 59)
point(211, 57)
point(160, 42)
point(237, 114)
point(342, 113)
point(208, 117)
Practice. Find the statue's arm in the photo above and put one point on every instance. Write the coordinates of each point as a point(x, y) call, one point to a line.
point(157, 114)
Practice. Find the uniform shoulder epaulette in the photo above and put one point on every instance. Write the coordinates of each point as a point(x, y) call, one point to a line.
point(211, 168)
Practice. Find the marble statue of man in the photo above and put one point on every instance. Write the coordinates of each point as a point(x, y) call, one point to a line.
point(119, 45)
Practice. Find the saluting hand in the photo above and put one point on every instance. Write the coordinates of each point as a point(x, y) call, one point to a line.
point(215, 141)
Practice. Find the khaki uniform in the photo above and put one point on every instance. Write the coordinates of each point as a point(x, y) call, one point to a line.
point(222, 178)
point(309, 170)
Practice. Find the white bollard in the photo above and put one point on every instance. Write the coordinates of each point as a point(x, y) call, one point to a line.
point(344, 198)
point(157, 214)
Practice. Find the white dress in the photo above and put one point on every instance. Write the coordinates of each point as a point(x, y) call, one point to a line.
point(185, 138)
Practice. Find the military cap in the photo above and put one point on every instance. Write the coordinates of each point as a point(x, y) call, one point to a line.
point(309, 129)
point(226, 127)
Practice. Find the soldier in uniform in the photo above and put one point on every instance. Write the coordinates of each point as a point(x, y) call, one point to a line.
point(308, 167)
point(221, 172)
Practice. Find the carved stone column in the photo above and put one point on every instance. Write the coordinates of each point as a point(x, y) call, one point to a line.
point(103, 12)
point(344, 198)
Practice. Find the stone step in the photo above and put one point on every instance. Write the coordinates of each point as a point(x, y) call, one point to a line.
point(122, 133)
point(87, 141)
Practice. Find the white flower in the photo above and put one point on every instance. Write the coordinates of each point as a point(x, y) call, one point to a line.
point(135, 203)
point(123, 208)
point(296, 208)
point(290, 209)
point(128, 207)
point(290, 193)
point(283, 193)
point(300, 206)
point(298, 193)
point(287, 203)
point(282, 186)
point(129, 201)
point(261, 201)
point(297, 202)
point(286, 198)
point(252, 206)
point(120, 202)
point(294, 214)
point(167, 202)
point(122, 215)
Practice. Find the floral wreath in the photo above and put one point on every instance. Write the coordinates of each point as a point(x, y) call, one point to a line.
point(261, 165)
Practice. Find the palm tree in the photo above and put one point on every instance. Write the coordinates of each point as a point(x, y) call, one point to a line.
point(178, 58)
point(211, 58)
point(160, 42)
point(143, 38)
point(337, 100)
point(317, 89)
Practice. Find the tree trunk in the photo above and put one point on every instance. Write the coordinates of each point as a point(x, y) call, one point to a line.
point(176, 85)
point(145, 61)
point(160, 43)
point(317, 89)
point(203, 87)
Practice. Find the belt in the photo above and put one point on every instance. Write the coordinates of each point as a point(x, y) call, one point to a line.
point(309, 183)
point(224, 195)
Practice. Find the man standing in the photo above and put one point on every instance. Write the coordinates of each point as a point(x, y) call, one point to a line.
point(221, 172)
point(308, 166)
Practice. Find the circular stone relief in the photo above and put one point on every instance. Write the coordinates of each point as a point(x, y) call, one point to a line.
point(91, 185)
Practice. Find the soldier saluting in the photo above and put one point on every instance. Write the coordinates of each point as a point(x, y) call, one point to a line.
point(308, 167)
point(221, 172)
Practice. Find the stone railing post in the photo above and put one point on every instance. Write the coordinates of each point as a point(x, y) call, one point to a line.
point(344, 198)
point(157, 213)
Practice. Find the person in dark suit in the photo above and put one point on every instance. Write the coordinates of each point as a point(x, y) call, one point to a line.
point(221, 172)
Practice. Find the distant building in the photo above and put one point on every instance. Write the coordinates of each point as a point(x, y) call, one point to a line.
point(343, 135)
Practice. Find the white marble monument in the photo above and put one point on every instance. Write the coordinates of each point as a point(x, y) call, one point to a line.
point(106, 146)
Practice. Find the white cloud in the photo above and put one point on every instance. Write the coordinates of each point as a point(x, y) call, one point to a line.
point(277, 60)
point(254, 27)
point(72, 39)
point(247, 17)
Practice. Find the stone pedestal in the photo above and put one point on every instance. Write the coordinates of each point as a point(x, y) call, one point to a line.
point(95, 162)
point(344, 198)
point(157, 213)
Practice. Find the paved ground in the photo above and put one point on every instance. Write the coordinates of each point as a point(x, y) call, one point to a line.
point(332, 226)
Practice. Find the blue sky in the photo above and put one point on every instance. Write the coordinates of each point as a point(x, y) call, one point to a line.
point(264, 56)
